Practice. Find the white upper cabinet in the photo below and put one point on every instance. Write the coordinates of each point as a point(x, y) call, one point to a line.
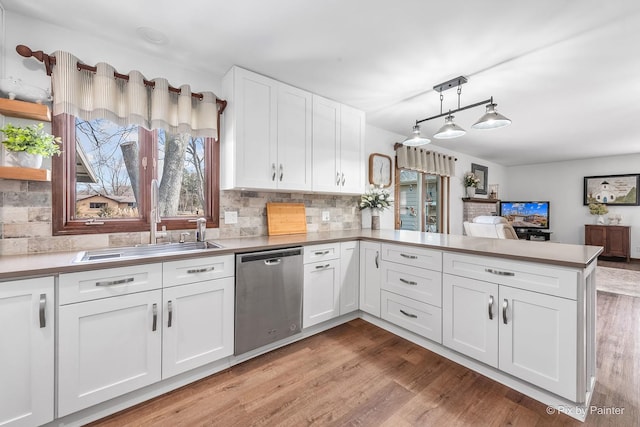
point(278, 137)
point(338, 147)
point(267, 134)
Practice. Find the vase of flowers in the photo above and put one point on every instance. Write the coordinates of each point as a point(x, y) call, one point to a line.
point(26, 146)
point(470, 182)
point(376, 199)
point(599, 209)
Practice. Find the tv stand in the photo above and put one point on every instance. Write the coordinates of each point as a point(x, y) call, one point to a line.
point(539, 235)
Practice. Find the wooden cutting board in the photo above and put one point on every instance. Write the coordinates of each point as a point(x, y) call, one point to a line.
point(286, 218)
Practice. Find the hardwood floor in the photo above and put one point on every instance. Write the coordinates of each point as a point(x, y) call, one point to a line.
point(360, 375)
point(634, 264)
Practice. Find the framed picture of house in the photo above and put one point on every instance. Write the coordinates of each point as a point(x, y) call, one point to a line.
point(481, 173)
point(618, 190)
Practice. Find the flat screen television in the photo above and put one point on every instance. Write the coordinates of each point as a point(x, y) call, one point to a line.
point(526, 215)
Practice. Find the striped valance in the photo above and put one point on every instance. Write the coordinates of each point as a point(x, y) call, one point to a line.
point(425, 161)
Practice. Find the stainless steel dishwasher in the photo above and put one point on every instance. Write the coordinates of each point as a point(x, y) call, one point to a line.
point(268, 297)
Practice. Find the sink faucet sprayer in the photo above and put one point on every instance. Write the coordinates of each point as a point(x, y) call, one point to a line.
point(154, 215)
point(201, 228)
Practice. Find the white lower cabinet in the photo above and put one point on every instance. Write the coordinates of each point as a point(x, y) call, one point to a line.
point(529, 335)
point(197, 325)
point(349, 277)
point(27, 352)
point(108, 347)
point(370, 277)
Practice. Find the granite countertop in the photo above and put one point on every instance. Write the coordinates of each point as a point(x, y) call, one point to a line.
point(560, 254)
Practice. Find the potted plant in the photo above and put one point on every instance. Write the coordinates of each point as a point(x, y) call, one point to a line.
point(597, 208)
point(471, 182)
point(376, 199)
point(28, 145)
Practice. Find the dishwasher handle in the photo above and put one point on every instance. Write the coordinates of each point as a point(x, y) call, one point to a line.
point(273, 261)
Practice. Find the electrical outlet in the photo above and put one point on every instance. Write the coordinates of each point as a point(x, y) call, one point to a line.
point(326, 216)
point(231, 217)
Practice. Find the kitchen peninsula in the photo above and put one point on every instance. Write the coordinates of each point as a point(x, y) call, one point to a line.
point(521, 313)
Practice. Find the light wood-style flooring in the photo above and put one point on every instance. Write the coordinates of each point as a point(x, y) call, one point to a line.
point(360, 375)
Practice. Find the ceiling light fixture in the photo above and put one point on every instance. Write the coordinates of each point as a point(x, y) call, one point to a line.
point(490, 120)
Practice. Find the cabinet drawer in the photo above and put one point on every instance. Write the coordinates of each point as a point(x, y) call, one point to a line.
point(96, 284)
point(315, 253)
point(558, 281)
point(416, 283)
point(413, 256)
point(197, 270)
point(415, 316)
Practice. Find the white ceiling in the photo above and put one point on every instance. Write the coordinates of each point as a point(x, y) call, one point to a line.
point(567, 72)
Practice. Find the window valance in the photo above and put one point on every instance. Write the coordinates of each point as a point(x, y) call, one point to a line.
point(90, 95)
point(425, 161)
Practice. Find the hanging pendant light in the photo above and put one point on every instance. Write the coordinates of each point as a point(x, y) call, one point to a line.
point(416, 138)
point(491, 119)
point(449, 130)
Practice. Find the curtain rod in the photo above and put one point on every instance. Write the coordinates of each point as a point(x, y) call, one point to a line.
point(49, 61)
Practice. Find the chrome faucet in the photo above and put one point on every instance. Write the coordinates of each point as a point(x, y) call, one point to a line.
point(201, 228)
point(154, 215)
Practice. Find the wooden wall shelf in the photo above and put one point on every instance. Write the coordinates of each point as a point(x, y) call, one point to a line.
point(25, 110)
point(25, 174)
point(479, 200)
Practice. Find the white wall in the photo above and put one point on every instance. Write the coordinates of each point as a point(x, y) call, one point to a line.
point(381, 141)
point(562, 184)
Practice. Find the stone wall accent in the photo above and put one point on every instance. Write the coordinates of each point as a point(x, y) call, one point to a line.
point(25, 218)
point(472, 208)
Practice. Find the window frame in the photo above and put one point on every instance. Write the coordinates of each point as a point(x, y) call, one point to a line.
point(63, 191)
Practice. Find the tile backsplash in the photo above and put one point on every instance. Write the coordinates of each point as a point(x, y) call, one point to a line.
point(25, 218)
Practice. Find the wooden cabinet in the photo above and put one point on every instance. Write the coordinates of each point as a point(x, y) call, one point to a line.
point(338, 147)
point(370, 277)
point(530, 335)
point(614, 238)
point(27, 349)
point(267, 139)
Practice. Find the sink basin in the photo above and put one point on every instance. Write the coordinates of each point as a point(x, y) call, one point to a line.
point(143, 251)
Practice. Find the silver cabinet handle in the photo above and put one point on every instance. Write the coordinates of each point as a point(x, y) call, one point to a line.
point(281, 171)
point(319, 267)
point(41, 311)
point(413, 316)
point(337, 178)
point(115, 282)
point(154, 326)
point(321, 252)
point(408, 282)
point(499, 273)
point(343, 179)
point(170, 312)
point(200, 270)
point(409, 256)
point(273, 171)
point(505, 305)
point(377, 259)
point(490, 307)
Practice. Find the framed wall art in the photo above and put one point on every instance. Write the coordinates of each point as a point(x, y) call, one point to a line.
point(481, 172)
point(617, 190)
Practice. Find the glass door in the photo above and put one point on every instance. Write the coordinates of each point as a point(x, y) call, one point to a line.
point(409, 200)
point(431, 193)
point(419, 202)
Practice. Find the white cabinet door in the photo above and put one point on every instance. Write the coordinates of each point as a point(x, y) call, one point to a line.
point(108, 347)
point(26, 349)
point(538, 340)
point(197, 325)
point(352, 124)
point(349, 277)
point(321, 297)
point(326, 145)
point(470, 317)
point(254, 130)
point(338, 147)
point(370, 277)
point(294, 138)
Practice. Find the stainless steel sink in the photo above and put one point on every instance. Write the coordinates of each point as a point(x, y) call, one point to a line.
point(143, 251)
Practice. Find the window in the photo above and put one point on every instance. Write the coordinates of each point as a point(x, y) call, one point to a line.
point(106, 170)
point(421, 201)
